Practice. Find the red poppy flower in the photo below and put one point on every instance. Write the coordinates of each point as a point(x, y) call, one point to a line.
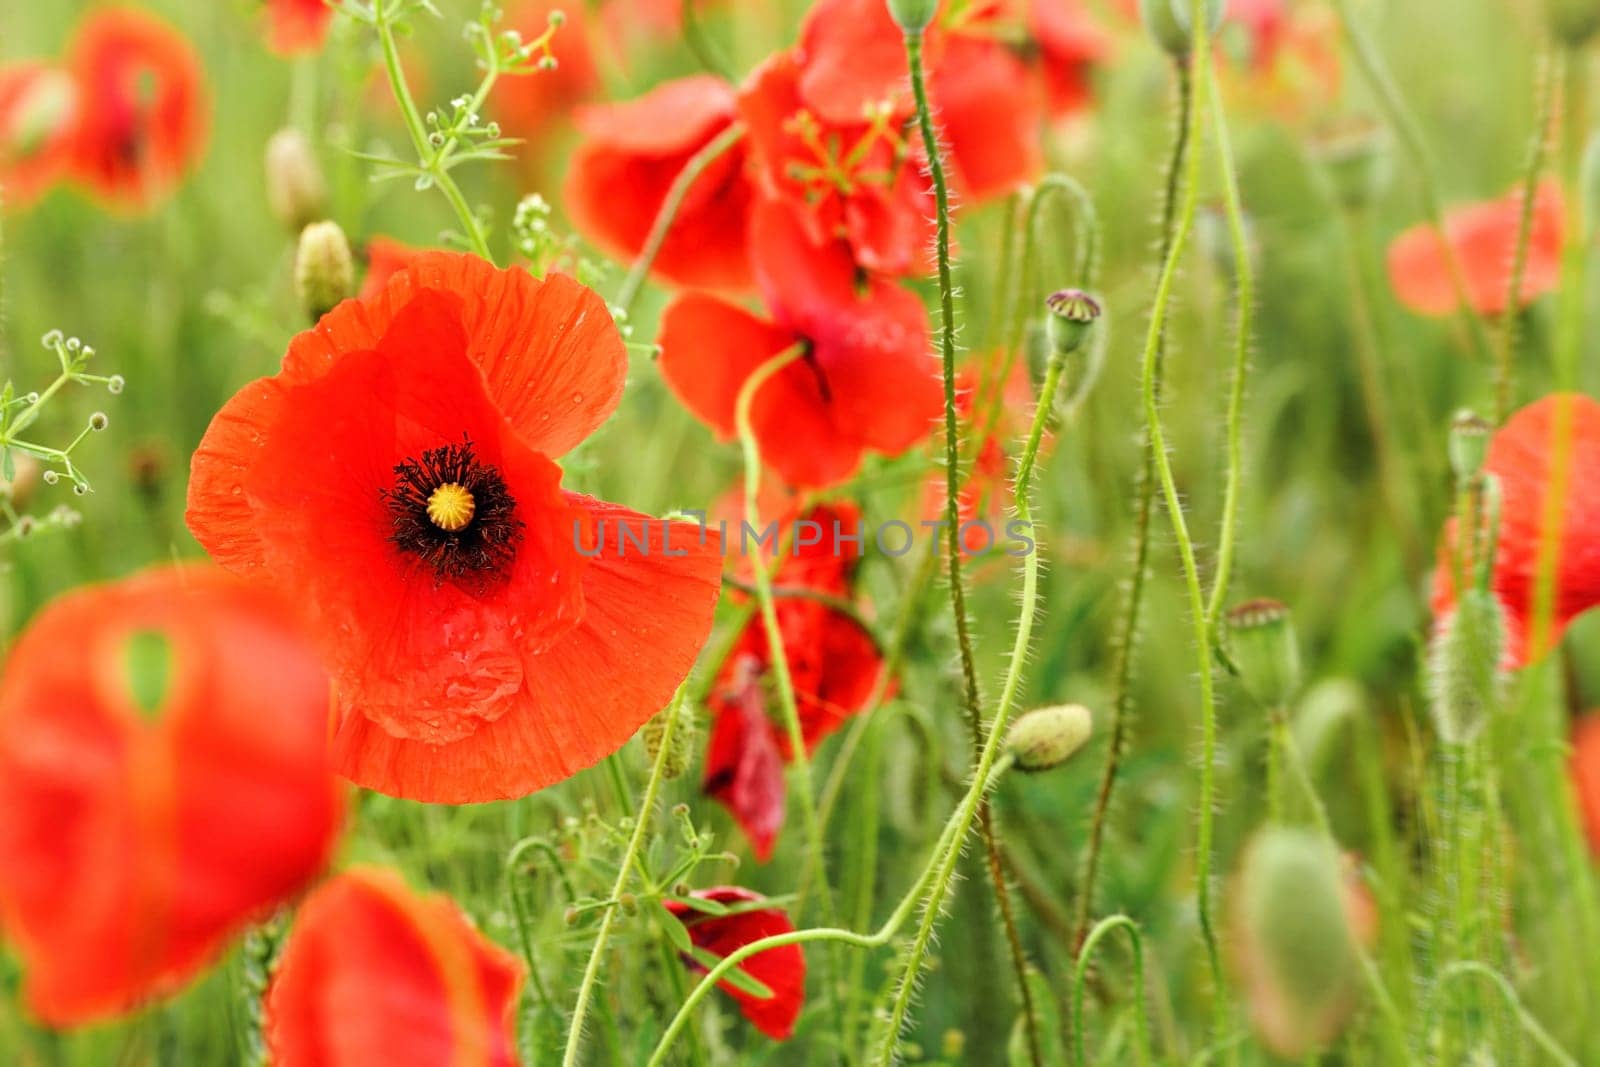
point(1519, 456)
point(1585, 766)
point(867, 380)
point(1484, 237)
point(38, 111)
point(386, 257)
point(631, 155)
point(860, 181)
point(1071, 45)
point(834, 666)
point(397, 478)
point(164, 781)
point(1290, 61)
point(989, 106)
point(782, 970)
point(373, 973)
point(528, 105)
point(142, 116)
point(296, 27)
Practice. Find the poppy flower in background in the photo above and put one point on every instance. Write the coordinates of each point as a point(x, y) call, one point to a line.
point(142, 114)
point(38, 112)
point(1585, 766)
point(297, 27)
point(782, 970)
point(867, 381)
point(397, 479)
point(1519, 456)
point(373, 973)
point(1071, 45)
point(631, 155)
point(1484, 237)
point(834, 666)
point(385, 258)
point(164, 781)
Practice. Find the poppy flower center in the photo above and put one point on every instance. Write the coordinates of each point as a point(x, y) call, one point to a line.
point(454, 513)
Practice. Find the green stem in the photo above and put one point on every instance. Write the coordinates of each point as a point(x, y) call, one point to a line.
point(676, 194)
point(1406, 127)
point(591, 973)
point(1102, 929)
point(816, 868)
point(1530, 1025)
point(1128, 623)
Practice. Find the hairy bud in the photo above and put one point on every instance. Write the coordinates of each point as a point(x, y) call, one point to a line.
point(1465, 671)
point(296, 191)
point(324, 269)
point(1263, 646)
point(1047, 737)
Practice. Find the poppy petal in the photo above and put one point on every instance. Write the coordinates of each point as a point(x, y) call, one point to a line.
point(782, 970)
point(991, 114)
point(744, 762)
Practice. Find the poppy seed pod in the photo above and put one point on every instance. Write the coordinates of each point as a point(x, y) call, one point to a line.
point(296, 191)
point(1298, 950)
point(913, 16)
point(1263, 646)
point(1170, 23)
point(1573, 21)
point(1469, 444)
point(1073, 314)
point(324, 269)
point(1047, 737)
point(1465, 666)
point(1355, 157)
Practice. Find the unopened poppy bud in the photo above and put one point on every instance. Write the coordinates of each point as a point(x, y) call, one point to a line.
point(296, 191)
point(1073, 314)
point(1469, 444)
point(1465, 672)
point(1573, 21)
point(1171, 23)
point(1263, 646)
point(1045, 737)
point(680, 747)
point(1298, 950)
point(913, 16)
point(25, 475)
point(1355, 157)
point(324, 269)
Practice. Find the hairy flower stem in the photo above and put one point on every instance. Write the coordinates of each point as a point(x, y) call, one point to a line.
point(815, 871)
point(1405, 126)
point(952, 514)
point(1200, 51)
point(647, 806)
point(1538, 146)
point(714, 150)
point(1127, 633)
point(471, 228)
point(1141, 1025)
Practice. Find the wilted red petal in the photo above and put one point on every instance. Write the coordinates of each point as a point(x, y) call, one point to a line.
point(744, 763)
point(782, 970)
point(373, 973)
point(136, 838)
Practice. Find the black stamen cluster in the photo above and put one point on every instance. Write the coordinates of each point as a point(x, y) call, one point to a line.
point(482, 550)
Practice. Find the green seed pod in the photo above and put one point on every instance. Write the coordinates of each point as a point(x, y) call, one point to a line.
point(296, 191)
point(1573, 21)
point(1047, 737)
point(1465, 673)
point(1298, 950)
point(1264, 647)
point(1355, 156)
point(324, 269)
point(1073, 314)
point(1469, 444)
point(680, 752)
point(913, 16)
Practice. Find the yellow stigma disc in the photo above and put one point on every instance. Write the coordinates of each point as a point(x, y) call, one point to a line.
point(450, 507)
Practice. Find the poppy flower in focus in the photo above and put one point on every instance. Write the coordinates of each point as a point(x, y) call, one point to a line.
point(1071, 45)
point(1484, 238)
point(38, 112)
point(990, 107)
point(630, 157)
point(529, 105)
point(142, 106)
point(397, 479)
point(1585, 764)
point(867, 380)
point(1520, 458)
point(296, 27)
point(385, 258)
point(373, 973)
point(164, 781)
point(834, 667)
point(782, 970)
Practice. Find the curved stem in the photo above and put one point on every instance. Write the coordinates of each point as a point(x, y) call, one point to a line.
point(1530, 1025)
point(1128, 622)
point(1103, 929)
point(676, 194)
point(591, 972)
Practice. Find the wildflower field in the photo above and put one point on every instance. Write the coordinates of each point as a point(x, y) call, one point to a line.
point(642, 532)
